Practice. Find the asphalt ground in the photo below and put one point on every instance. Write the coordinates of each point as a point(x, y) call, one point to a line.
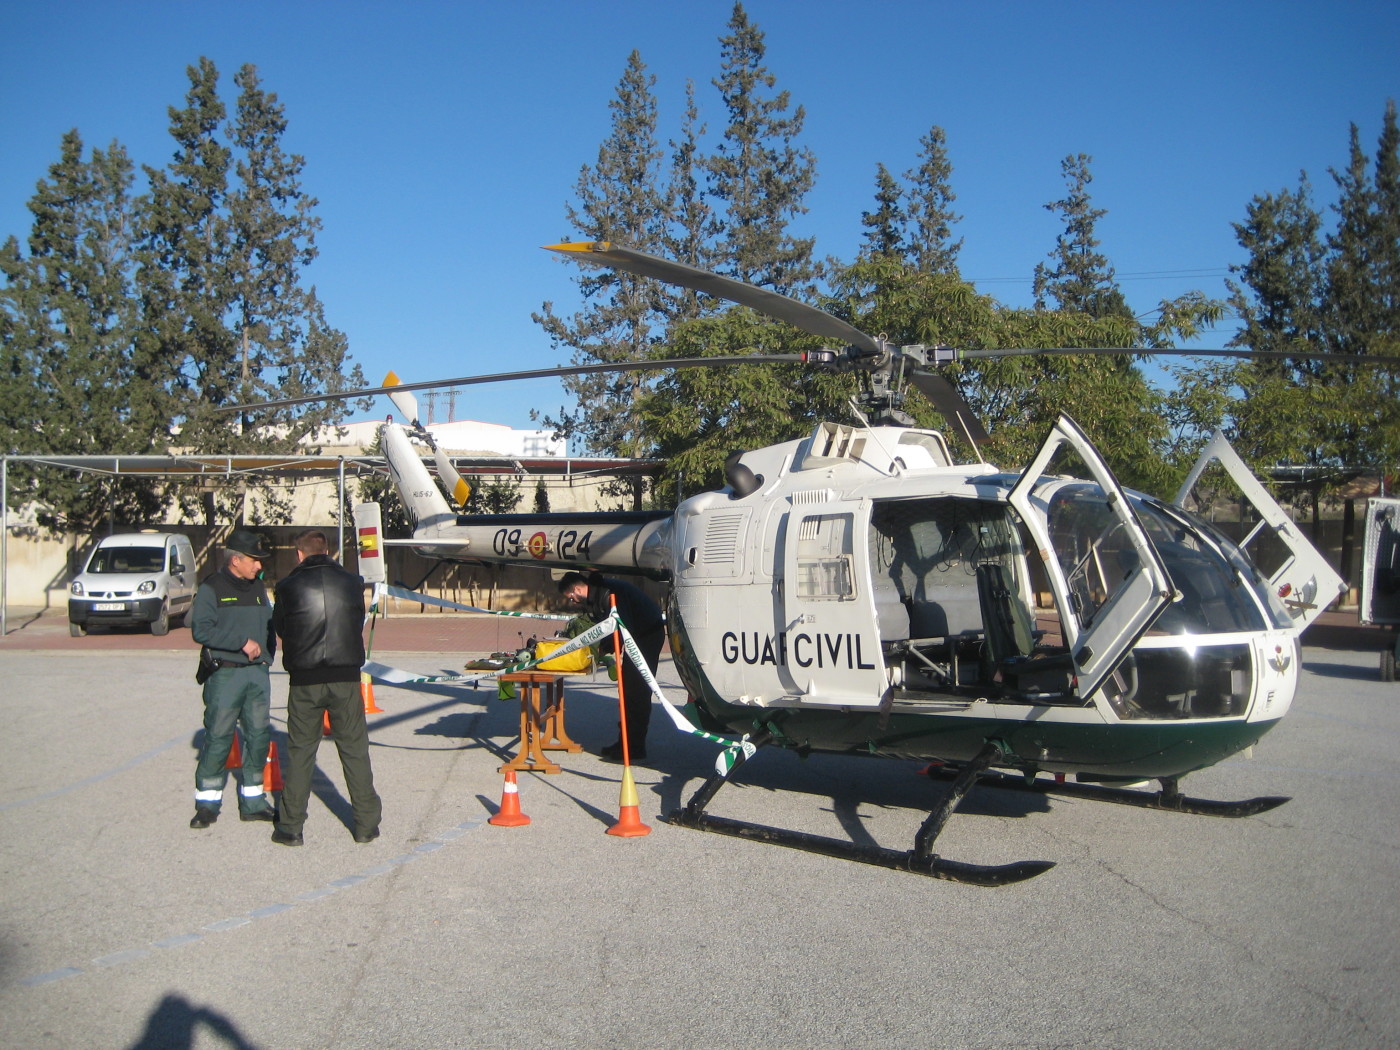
point(121, 927)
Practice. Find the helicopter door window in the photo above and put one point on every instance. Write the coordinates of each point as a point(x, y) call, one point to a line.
point(1107, 577)
point(824, 558)
point(1298, 575)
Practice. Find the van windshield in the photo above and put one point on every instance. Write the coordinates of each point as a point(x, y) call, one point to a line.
point(127, 559)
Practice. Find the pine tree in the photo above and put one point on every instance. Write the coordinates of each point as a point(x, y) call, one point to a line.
point(184, 346)
point(690, 221)
point(1082, 278)
point(229, 232)
point(928, 242)
point(884, 226)
point(68, 386)
point(617, 199)
point(1361, 303)
point(757, 174)
point(287, 348)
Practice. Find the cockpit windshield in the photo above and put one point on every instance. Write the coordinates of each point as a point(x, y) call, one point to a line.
point(1218, 594)
point(1220, 587)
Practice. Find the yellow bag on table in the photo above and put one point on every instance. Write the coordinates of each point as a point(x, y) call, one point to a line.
point(580, 661)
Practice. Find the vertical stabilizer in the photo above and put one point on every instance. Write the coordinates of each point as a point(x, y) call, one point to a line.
point(422, 499)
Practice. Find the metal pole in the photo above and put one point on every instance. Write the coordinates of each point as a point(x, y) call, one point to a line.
point(340, 510)
point(4, 543)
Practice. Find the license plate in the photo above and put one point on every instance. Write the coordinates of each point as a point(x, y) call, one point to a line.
point(109, 607)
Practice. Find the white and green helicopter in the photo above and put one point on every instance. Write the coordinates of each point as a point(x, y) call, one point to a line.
point(857, 591)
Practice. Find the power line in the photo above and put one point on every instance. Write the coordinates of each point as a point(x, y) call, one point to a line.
point(1137, 275)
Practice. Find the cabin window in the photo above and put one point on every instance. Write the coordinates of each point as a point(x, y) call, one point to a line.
point(824, 557)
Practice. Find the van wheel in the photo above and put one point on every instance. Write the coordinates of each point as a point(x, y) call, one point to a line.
point(76, 630)
point(161, 624)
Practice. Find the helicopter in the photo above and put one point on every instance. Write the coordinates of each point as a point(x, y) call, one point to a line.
point(857, 591)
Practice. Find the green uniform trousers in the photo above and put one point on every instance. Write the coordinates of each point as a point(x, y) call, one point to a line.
point(307, 706)
point(234, 696)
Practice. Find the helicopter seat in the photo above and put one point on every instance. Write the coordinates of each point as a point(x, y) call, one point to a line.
point(891, 614)
point(1011, 652)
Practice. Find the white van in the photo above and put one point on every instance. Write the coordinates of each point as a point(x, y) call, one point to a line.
point(133, 578)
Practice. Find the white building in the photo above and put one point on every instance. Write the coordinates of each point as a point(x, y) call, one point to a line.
point(462, 436)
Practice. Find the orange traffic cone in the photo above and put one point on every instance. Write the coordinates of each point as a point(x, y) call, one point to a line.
point(509, 815)
point(326, 723)
point(367, 695)
point(629, 822)
point(272, 769)
point(235, 754)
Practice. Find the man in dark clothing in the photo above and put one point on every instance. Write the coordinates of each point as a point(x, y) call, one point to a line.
point(319, 615)
point(645, 623)
point(232, 619)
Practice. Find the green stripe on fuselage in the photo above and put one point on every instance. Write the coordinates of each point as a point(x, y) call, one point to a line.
point(1139, 749)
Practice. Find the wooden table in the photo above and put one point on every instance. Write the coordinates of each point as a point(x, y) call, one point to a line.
point(541, 721)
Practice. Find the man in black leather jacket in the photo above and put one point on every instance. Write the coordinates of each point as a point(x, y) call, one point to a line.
point(319, 613)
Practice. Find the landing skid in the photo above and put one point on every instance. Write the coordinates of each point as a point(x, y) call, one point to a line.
point(1169, 798)
point(921, 860)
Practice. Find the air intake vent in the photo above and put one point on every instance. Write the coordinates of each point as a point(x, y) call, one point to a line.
point(722, 535)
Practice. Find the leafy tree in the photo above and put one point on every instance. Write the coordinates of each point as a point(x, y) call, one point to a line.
point(698, 416)
point(757, 173)
point(184, 345)
point(1018, 397)
point(928, 241)
point(497, 496)
point(68, 385)
point(618, 199)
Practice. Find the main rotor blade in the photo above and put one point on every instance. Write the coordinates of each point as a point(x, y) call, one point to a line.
point(810, 319)
point(949, 402)
point(536, 373)
point(405, 402)
point(1261, 355)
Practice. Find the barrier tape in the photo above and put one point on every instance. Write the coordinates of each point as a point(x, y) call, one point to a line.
point(726, 759)
point(724, 762)
point(443, 603)
point(394, 676)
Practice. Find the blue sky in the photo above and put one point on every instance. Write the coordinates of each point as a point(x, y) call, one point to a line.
point(443, 139)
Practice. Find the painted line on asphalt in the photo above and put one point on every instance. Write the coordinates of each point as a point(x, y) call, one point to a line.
point(266, 911)
point(97, 778)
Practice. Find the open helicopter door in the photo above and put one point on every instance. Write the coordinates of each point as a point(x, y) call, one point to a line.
point(832, 650)
point(1108, 579)
point(1297, 572)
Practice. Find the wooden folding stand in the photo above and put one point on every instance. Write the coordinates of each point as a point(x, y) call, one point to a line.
point(541, 720)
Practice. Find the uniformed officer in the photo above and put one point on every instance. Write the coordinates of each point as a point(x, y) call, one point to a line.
point(232, 619)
